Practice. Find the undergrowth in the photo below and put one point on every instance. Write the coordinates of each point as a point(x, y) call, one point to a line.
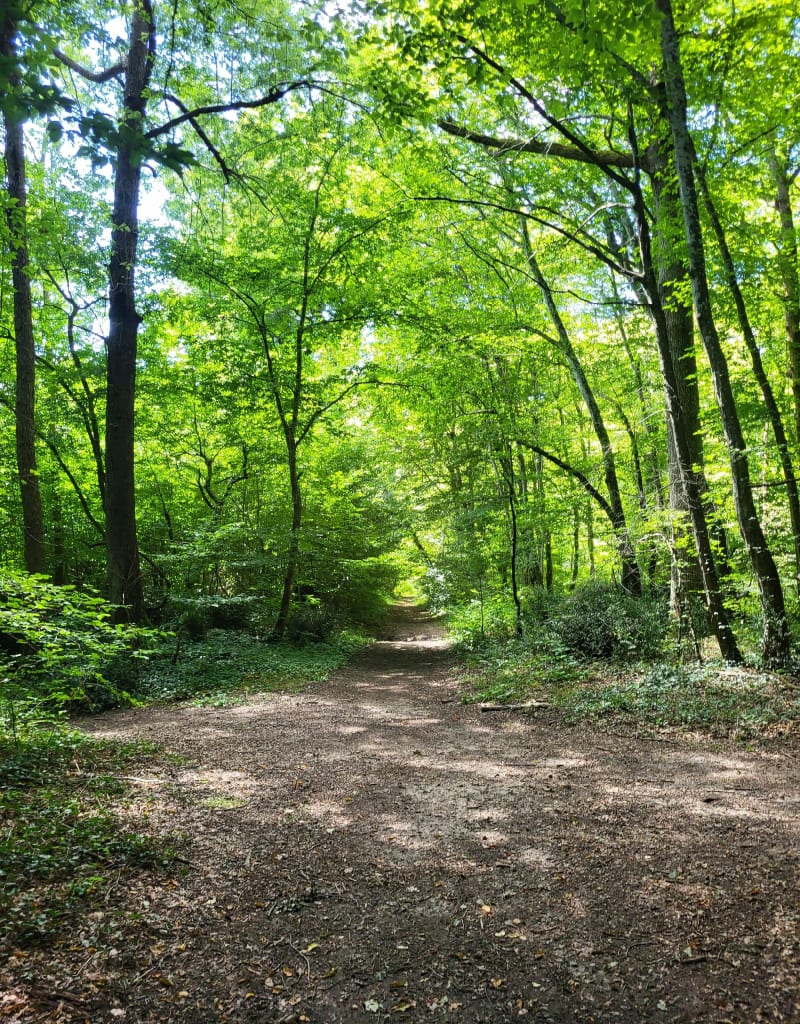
point(224, 666)
point(712, 697)
point(60, 842)
point(599, 652)
point(515, 670)
point(61, 653)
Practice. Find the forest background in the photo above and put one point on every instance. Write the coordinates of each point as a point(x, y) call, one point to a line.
point(497, 302)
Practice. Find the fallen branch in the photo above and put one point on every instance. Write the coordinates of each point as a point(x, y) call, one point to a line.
point(515, 707)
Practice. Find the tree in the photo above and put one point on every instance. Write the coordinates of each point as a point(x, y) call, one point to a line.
point(296, 267)
point(483, 47)
point(776, 638)
point(131, 141)
point(122, 550)
point(14, 103)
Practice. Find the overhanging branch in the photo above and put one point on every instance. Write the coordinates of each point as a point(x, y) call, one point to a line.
point(275, 94)
point(601, 158)
point(91, 76)
point(589, 246)
point(227, 173)
point(587, 485)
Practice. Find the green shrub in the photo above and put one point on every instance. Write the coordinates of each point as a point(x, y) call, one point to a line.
point(538, 605)
point(518, 668)
point(60, 651)
point(192, 617)
point(472, 624)
point(603, 621)
point(309, 623)
point(194, 622)
point(359, 591)
point(437, 590)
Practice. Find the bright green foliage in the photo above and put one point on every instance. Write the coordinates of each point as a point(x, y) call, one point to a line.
point(347, 371)
point(596, 621)
point(58, 646)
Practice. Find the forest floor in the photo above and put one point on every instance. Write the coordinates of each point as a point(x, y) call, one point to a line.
point(374, 850)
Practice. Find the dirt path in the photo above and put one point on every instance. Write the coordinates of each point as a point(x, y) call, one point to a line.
point(372, 850)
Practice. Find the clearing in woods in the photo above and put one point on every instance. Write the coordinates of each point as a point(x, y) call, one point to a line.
point(373, 850)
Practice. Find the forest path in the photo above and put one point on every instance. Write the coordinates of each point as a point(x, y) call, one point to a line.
point(373, 850)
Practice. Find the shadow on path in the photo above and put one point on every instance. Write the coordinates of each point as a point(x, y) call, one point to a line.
point(373, 850)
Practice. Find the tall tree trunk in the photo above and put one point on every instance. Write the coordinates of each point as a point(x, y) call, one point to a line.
point(631, 576)
point(293, 552)
point(575, 558)
point(25, 404)
point(672, 276)
point(122, 548)
point(689, 472)
point(787, 268)
point(590, 538)
point(507, 467)
point(776, 638)
point(759, 372)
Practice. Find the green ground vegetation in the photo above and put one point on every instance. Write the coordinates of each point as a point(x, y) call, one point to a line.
point(64, 837)
point(600, 654)
point(62, 841)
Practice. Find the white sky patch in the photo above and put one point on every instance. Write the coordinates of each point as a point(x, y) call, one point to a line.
point(152, 203)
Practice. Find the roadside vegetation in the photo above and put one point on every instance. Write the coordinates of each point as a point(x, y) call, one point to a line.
point(63, 844)
point(599, 653)
point(298, 304)
point(66, 832)
point(65, 840)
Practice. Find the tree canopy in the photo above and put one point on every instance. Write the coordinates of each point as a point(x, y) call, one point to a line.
point(501, 299)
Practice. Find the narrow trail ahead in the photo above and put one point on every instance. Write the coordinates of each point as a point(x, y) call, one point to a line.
point(373, 850)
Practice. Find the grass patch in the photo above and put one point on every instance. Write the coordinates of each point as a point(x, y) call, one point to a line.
point(222, 803)
point(516, 670)
point(60, 840)
point(223, 667)
point(721, 700)
point(741, 703)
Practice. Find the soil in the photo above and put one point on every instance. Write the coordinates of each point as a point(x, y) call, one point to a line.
point(374, 850)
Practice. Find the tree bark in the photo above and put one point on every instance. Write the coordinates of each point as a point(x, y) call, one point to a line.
point(122, 548)
point(293, 552)
point(787, 268)
point(691, 480)
point(25, 404)
point(507, 468)
point(576, 549)
point(631, 576)
point(776, 638)
point(686, 579)
point(759, 371)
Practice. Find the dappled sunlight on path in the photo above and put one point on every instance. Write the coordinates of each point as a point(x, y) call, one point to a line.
point(491, 866)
